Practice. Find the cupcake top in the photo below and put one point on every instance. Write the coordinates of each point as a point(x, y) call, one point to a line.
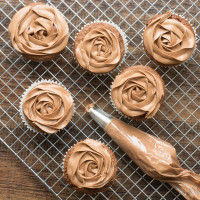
point(38, 29)
point(48, 107)
point(169, 39)
point(99, 47)
point(138, 92)
point(90, 165)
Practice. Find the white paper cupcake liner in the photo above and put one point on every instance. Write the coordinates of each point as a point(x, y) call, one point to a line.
point(125, 45)
point(186, 61)
point(24, 95)
point(63, 161)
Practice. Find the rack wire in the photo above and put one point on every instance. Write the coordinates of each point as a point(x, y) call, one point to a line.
point(176, 122)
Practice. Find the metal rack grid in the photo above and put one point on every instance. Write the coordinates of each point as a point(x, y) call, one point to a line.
point(176, 122)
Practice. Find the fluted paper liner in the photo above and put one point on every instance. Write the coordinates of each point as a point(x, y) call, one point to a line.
point(27, 91)
point(125, 45)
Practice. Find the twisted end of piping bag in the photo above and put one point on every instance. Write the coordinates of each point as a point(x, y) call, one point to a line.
point(155, 157)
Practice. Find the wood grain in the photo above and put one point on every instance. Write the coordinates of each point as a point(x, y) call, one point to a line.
point(17, 182)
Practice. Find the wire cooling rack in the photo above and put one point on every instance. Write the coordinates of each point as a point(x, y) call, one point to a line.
point(176, 122)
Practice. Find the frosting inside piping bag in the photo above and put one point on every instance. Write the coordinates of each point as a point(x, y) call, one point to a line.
point(155, 157)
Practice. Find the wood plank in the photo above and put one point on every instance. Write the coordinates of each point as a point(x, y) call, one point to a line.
point(17, 182)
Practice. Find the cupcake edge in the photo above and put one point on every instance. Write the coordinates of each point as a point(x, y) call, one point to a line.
point(88, 190)
point(42, 58)
point(186, 23)
point(23, 97)
point(123, 38)
point(142, 117)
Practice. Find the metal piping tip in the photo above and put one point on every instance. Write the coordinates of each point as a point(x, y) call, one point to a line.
point(102, 118)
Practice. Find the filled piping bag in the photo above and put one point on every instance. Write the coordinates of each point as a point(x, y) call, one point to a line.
point(154, 156)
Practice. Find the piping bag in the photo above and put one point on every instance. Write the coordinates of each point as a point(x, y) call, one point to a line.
point(157, 158)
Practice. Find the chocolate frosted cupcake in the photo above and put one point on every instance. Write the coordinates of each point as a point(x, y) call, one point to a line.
point(169, 39)
point(100, 47)
point(46, 107)
point(90, 166)
point(39, 32)
point(137, 92)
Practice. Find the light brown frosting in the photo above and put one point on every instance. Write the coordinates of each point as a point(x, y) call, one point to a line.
point(48, 107)
point(90, 165)
point(38, 29)
point(169, 41)
point(155, 157)
point(99, 51)
point(88, 106)
point(137, 91)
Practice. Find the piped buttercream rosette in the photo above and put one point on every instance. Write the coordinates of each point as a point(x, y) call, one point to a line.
point(46, 107)
point(90, 166)
point(137, 92)
point(38, 30)
point(169, 39)
point(103, 47)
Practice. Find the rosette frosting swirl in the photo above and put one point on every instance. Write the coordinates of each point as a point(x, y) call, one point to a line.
point(99, 51)
point(90, 165)
point(138, 91)
point(48, 107)
point(38, 29)
point(168, 40)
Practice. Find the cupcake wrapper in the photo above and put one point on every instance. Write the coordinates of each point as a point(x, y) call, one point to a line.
point(125, 45)
point(186, 61)
point(24, 95)
point(62, 164)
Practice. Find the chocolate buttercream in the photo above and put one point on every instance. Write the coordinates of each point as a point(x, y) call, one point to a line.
point(48, 107)
point(155, 157)
point(168, 41)
point(38, 29)
point(90, 165)
point(87, 107)
point(99, 51)
point(138, 91)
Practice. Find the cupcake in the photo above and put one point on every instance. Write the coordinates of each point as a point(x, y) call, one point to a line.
point(46, 107)
point(90, 166)
point(39, 32)
point(169, 39)
point(137, 92)
point(100, 47)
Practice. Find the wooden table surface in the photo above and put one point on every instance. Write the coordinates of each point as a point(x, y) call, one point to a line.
point(18, 182)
